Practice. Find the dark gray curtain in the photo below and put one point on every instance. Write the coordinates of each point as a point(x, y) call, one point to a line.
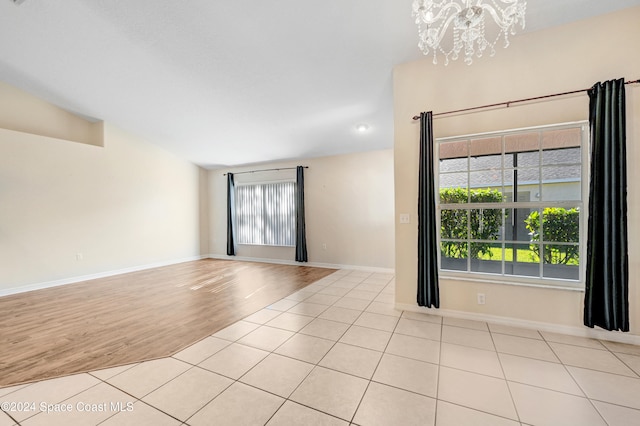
point(231, 246)
point(301, 233)
point(606, 301)
point(428, 291)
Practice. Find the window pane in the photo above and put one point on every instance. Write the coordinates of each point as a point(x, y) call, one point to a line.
point(488, 260)
point(522, 159)
point(528, 182)
point(522, 142)
point(453, 255)
point(485, 224)
point(485, 146)
point(453, 193)
point(453, 224)
point(522, 259)
point(457, 149)
point(561, 261)
point(486, 162)
point(521, 224)
point(560, 235)
point(453, 165)
point(522, 149)
point(561, 183)
point(563, 138)
point(485, 153)
point(561, 224)
point(525, 176)
point(561, 156)
point(483, 183)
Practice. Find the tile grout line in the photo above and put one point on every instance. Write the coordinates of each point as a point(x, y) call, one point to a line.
point(353, 416)
point(12, 418)
point(576, 381)
point(140, 399)
point(435, 416)
point(504, 374)
point(615, 354)
point(61, 401)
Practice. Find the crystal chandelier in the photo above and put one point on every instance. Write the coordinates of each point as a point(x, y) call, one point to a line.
point(465, 20)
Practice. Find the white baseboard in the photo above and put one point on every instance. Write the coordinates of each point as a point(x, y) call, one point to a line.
point(614, 336)
point(72, 280)
point(313, 264)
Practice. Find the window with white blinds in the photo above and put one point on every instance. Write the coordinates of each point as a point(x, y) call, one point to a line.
point(266, 213)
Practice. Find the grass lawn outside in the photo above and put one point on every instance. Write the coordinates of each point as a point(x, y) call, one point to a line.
point(524, 255)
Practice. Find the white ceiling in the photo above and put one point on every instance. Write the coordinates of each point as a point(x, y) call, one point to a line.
point(224, 83)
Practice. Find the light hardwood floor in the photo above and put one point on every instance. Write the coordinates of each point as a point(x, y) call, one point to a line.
point(134, 317)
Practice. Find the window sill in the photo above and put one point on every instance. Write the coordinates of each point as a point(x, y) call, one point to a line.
point(514, 281)
point(263, 245)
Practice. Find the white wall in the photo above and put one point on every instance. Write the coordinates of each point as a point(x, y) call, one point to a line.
point(124, 205)
point(570, 57)
point(348, 207)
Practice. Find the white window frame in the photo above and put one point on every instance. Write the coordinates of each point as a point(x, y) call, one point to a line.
point(503, 278)
point(259, 239)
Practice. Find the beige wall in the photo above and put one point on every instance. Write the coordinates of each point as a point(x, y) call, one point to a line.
point(23, 112)
point(124, 205)
point(565, 58)
point(348, 203)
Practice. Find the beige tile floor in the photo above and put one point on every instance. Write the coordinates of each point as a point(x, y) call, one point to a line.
point(338, 353)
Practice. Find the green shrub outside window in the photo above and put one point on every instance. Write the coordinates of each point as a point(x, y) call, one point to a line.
point(484, 223)
point(559, 225)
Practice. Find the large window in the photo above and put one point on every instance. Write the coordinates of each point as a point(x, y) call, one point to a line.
point(265, 213)
point(511, 203)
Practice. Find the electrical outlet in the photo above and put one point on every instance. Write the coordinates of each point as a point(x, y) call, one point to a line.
point(481, 299)
point(79, 256)
point(405, 218)
point(324, 246)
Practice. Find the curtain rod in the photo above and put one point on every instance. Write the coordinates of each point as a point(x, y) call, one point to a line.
point(509, 103)
point(267, 170)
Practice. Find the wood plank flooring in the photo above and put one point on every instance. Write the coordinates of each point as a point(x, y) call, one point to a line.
point(134, 317)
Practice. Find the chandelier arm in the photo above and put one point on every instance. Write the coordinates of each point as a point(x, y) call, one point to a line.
point(503, 25)
point(444, 10)
point(515, 18)
point(445, 27)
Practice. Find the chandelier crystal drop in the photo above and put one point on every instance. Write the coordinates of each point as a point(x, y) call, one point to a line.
point(457, 27)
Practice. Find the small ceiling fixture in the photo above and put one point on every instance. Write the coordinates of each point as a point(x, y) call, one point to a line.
point(465, 21)
point(362, 127)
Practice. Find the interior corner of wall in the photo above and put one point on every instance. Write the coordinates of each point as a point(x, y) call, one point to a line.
point(96, 134)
